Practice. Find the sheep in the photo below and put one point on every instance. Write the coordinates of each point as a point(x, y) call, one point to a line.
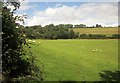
point(93, 50)
point(33, 41)
point(39, 42)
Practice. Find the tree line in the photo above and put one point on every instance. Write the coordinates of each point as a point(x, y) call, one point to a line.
point(50, 32)
point(77, 26)
point(61, 31)
point(99, 36)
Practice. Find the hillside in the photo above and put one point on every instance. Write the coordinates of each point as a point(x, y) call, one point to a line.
point(96, 30)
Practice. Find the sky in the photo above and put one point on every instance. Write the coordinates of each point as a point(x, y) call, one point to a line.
point(102, 12)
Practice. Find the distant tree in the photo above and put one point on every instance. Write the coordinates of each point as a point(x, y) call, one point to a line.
point(65, 25)
point(80, 26)
point(83, 36)
point(71, 34)
point(68, 26)
point(50, 25)
point(97, 25)
point(60, 25)
point(76, 26)
point(116, 36)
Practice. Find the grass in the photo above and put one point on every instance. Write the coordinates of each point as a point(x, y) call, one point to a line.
point(74, 60)
point(105, 31)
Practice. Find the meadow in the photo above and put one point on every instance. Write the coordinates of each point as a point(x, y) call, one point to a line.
point(75, 59)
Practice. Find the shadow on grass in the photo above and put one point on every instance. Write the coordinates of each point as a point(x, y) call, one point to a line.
point(110, 75)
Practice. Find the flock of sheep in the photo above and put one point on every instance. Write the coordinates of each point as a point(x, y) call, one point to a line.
point(96, 50)
point(33, 41)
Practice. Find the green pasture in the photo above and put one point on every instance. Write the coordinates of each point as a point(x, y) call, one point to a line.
point(76, 60)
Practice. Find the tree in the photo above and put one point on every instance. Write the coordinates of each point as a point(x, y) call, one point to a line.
point(71, 34)
point(68, 26)
point(97, 25)
point(16, 64)
point(80, 26)
point(83, 36)
point(76, 26)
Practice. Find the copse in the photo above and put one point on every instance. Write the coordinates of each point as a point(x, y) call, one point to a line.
point(50, 32)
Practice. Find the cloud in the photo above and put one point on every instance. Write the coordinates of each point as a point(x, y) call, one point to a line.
point(59, 5)
point(24, 6)
point(87, 13)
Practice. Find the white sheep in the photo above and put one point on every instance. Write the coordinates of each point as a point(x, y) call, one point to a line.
point(33, 41)
point(93, 50)
point(39, 42)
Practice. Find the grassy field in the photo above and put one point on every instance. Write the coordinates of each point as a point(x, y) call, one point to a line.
point(76, 60)
point(96, 30)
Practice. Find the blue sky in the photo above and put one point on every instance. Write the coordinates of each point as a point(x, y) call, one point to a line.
point(43, 13)
point(40, 6)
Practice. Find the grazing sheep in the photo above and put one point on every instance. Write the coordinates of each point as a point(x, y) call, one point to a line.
point(39, 42)
point(93, 50)
point(33, 41)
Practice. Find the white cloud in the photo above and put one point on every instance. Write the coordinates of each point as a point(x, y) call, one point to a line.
point(88, 13)
point(24, 6)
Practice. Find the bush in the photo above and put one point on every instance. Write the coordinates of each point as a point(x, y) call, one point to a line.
point(83, 36)
point(116, 36)
point(96, 36)
point(92, 36)
point(15, 62)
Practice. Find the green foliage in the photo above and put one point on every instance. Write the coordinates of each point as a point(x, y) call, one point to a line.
point(61, 32)
point(116, 36)
point(65, 25)
point(15, 64)
point(97, 26)
point(80, 26)
point(92, 36)
point(50, 32)
point(83, 36)
point(96, 36)
point(99, 36)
